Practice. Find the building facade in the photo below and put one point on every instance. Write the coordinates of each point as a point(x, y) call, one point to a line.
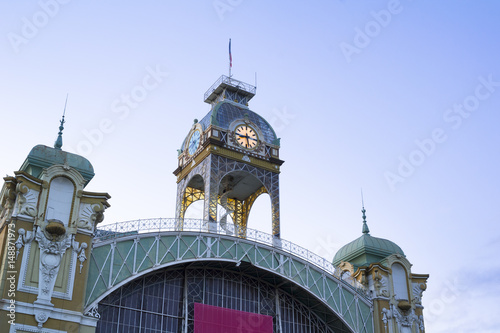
point(62, 272)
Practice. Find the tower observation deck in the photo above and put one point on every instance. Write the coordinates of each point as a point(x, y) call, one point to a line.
point(228, 88)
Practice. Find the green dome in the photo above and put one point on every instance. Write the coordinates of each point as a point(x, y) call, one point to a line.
point(41, 157)
point(366, 249)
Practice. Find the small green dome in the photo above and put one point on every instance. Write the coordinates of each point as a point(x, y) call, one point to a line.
point(41, 157)
point(366, 249)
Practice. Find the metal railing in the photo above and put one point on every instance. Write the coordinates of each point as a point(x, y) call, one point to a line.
point(230, 82)
point(158, 225)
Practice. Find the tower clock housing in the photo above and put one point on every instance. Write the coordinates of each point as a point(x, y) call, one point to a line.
point(229, 157)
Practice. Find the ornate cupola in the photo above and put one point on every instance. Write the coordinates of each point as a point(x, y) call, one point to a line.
point(366, 249)
point(229, 158)
point(382, 268)
point(48, 220)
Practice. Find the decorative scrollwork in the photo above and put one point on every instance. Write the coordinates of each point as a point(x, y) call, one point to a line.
point(90, 215)
point(23, 239)
point(403, 318)
point(421, 325)
point(7, 201)
point(381, 284)
point(52, 249)
point(80, 250)
point(41, 317)
point(92, 311)
point(26, 201)
point(418, 290)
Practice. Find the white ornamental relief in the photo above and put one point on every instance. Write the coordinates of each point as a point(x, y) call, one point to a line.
point(90, 215)
point(418, 289)
point(26, 201)
point(380, 284)
point(80, 250)
point(52, 249)
point(405, 320)
point(23, 239)
point(7, 203)
point(53, 242)
point(92, 312)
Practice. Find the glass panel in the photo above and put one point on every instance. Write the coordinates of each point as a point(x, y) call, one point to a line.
point(155, 303)
point(151, 323)
point(130, 321)
point(60, 199)
point(399, 280)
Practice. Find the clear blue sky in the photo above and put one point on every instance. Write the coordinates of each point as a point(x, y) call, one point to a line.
point(400, 98)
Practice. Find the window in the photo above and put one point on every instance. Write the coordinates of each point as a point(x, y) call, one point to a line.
point(60, 200)
point(399, 282)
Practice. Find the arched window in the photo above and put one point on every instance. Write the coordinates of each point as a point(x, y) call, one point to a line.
point(60, 200)
point(399, 282)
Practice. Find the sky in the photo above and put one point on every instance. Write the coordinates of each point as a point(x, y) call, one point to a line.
point(398, 98)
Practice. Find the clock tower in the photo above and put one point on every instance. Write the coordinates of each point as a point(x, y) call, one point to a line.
point(229, 158)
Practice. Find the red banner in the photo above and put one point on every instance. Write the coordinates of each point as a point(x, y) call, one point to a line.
point(213, 319)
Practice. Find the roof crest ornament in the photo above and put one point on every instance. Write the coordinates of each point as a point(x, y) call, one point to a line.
point(365, 230)
point(58, 144)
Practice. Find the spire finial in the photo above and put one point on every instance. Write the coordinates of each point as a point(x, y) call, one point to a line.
point(363, 210)
point(58, 144)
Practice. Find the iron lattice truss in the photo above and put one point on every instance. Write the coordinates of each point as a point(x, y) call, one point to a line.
point(212, 170)
point(163, 301)
point(123, 258)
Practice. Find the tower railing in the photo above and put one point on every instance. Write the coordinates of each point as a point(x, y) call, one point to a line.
point(232, 83)
point(160, 225)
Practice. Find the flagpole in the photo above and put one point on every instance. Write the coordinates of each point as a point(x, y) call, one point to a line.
point(230, 58)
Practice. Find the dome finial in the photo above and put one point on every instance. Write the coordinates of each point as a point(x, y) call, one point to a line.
point(58, 144)
point(363, 210)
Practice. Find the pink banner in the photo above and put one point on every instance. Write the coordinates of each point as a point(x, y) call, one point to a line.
point(213, 319)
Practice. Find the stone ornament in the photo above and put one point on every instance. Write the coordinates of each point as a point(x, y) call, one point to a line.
point(404, 319)
point(90, 216)
point(418, 289)
point(380, 284)
point(7, 203)
point(53, 242)
point(92, 312)
point(23, 239)
point(26, 201)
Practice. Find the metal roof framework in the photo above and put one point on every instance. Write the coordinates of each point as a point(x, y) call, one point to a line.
point(120, 257)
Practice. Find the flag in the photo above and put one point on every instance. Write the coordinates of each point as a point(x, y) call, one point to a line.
point(230, 56)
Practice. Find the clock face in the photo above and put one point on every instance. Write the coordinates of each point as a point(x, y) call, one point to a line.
point(246, 136)
point(194, 142)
